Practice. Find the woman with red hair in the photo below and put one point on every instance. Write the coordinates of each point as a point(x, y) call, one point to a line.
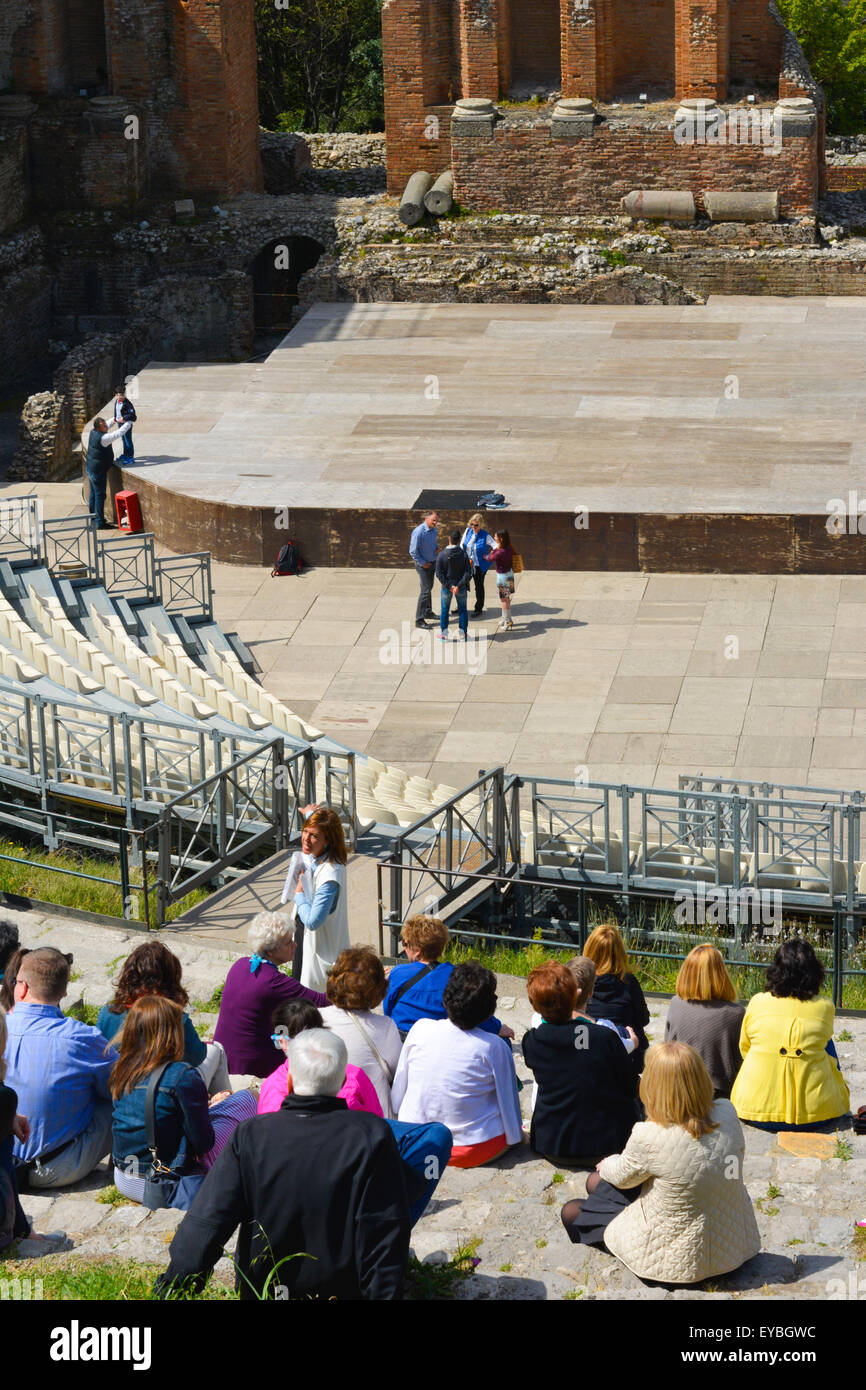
point(316, 885)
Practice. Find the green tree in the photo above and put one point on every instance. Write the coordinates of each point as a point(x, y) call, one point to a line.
point(316, 59)
point(833, 35)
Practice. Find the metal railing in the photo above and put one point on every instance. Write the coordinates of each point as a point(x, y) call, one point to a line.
point(521, 919)
point(185, 586)
point(21, 530)
point(244, 808)
point(471, 833)
point(128, 568)
point(70, 545)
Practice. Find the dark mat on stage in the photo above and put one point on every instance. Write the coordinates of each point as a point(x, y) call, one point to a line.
point(452, 499)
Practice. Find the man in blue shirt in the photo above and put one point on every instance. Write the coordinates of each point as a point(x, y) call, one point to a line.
point(476, 542)
point(424, 547)
point(60, 1069)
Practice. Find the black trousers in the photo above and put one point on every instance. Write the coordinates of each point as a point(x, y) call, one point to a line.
point(478, 581)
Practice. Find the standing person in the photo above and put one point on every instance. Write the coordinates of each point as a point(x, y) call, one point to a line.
point(453, 570)
point(98, 464)
point(502, 556)
point(424, 548)
point(476, 542)
point(124, 411)
point(316, 883)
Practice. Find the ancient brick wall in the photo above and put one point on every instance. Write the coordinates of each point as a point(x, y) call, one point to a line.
point(13, 185)
point(413, 142)
point(850, 178)
point(535, 40)
point(643, 51)
point(768, 274)
point(521, 167)
point(184, 315)
point(25, 307)
point(90, 375)
point(756, 46)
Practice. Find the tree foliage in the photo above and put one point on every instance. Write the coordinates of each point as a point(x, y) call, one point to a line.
point(833, 35)
point(320, 63)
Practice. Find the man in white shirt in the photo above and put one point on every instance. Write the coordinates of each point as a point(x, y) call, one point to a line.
point(98, 465)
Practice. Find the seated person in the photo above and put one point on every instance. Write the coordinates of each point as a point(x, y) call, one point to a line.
point(9, 944)
point(254, 987)
point(586, 1105)
point(60, 1069)
point(153, 969)
point(694, 1219)
point(14, 1225)
point(705, 1014)
point(415, 990)
point(617, 995)
point(10, 975)
point(425, 1149)
point(584, 972)
point(190, 1129)
point(452, 1072)
point(790, 1078)
point(288, 1021)
point(337, 1229)
point(356, 986)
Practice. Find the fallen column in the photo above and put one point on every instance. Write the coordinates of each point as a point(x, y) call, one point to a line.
point(412, 203)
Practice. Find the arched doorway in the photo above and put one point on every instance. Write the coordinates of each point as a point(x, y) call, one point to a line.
point(276, 271)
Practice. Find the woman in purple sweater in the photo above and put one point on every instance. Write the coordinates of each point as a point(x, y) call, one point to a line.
point(502, 556)
point(254, 987)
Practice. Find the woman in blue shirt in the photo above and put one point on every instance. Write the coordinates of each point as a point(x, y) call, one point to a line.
point(153, 969)
point(191, 1129)
point(415, 990)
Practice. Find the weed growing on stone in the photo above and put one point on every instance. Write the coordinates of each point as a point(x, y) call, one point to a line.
point(209, 1006)
point(110, 1197)
point(557, 1178)
point(540, 1243)
point(440, 1281)
point(844, 1150)
point(85, 1013)
point(773, 1191)
point(846, 1036)
point(505, 1269)
point(860, 1242)
point(103, 1280)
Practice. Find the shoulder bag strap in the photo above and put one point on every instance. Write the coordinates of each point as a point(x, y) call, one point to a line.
point(150, 1115)
point(365, 1033)
point(404, 988)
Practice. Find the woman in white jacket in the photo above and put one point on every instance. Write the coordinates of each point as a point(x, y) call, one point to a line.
point(673, 1205)
point(316, 885)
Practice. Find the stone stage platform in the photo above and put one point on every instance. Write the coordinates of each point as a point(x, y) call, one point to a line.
point(690, 439)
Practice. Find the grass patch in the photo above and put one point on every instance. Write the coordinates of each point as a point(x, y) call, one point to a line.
point(573, 1295)
point(844, 1149)
point(505, 1269)
point(25, 876)
point(98, 1281)
point(773, 1191)
point(540, 1243)
point(557, 1178)
point(440, 1281)
point(110, 1197)
point(85, 1013)
point(209, 1006)
point(613, 258)
point(845, 1036)
point(860, 1242)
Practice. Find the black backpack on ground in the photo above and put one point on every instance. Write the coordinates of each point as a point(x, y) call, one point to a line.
point(288, 561)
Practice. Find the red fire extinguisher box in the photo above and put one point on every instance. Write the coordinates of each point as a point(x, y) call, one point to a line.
point(128, 511)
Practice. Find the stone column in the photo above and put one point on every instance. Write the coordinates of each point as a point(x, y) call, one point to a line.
point(702, 42)
point(479, 49)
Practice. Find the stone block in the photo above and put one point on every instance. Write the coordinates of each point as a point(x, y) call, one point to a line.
point(670, 206)
point(184, 210)
point(474, 117)
point(573, 118)
point(742, 207)
point(795, 116)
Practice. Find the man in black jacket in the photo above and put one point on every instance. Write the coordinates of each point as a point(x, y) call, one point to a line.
point(318, 1192)
point(454, 570)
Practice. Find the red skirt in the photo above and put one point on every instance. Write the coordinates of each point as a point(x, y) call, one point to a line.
point(473, 1155)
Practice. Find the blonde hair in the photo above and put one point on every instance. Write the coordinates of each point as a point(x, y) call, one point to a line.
point(606, 949)
point(427, 935)
point(703, 976)
point(676, 1089)
point(477, 519)
point(3, 1036)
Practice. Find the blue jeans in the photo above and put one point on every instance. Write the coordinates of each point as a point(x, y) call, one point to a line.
point(98, 487)
point(425, 1149)
point(462, 611)
point(128, 449)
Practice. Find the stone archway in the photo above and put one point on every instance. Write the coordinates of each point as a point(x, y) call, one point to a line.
point(276, 271)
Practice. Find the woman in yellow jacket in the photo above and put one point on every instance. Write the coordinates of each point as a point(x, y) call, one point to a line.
point(790, 1077)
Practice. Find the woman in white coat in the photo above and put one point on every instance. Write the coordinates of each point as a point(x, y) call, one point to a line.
point(673, 1205)
point(316, 885)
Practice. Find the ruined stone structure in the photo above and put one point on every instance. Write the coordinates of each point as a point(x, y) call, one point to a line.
point(108, 103)
point(616, 70)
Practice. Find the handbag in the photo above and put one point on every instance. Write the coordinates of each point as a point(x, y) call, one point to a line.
point(160, 1184)
point(365, 1034)
point(517, 563)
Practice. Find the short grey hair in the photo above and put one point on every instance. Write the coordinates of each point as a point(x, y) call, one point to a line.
point(267, 930)
point(317, 1062)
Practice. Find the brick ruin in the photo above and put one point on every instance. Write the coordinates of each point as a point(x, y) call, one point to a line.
point(623, 90)
point(110, 103)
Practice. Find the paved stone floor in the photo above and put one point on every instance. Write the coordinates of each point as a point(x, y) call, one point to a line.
point(806, 1205)
point(615, 677)
point(741, 405)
